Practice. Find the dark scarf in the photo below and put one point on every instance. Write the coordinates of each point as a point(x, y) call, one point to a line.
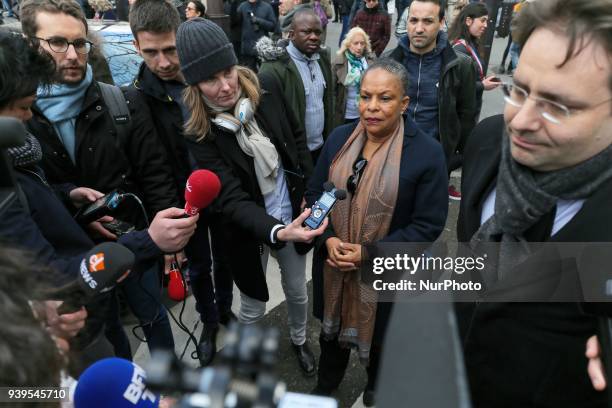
point(27, 154)
point(523, 196)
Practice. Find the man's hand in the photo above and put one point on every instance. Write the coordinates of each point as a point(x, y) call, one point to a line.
point(336, 254)
point(491, 82)
point(295, 232)
point(169, 258)
point(84, 195)
point(170, 231)
point(595, 367)
point(97, 230)
point(63, 327)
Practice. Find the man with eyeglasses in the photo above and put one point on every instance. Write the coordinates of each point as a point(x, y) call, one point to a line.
point(83, 144)
point(541, 173)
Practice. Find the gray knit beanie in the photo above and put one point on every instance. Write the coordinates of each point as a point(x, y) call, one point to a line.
point(203, 50)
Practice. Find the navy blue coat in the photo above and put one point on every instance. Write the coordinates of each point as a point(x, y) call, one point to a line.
point(420, 211)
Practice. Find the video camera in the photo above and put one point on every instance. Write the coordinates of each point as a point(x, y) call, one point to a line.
point(244, 377)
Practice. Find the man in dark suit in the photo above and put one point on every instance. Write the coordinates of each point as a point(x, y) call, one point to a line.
point(541, 174)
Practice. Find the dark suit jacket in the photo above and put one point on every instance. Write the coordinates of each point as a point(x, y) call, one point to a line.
point(246, 225)
point(526, 354)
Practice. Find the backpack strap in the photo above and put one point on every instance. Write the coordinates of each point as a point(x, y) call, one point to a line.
point(118, 108)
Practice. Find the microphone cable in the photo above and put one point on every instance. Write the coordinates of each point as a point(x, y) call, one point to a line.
point(179, 322)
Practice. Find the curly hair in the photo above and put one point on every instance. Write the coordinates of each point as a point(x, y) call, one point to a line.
point(22, 68)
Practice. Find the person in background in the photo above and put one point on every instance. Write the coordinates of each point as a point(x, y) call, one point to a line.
point(395, 176)
point(195, 9)
point(443, 93)
point(241, 129)
point(465, 34)
point(352, 59)
point(376, 22)
point(256, 19)
point(303, 69)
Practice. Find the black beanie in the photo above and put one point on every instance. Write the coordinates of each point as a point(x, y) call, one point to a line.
point(203, 50)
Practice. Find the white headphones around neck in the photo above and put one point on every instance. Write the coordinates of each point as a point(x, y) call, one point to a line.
point(243, 113)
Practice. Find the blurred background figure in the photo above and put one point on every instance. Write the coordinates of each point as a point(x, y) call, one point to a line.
point(396, 180)
point(376, 22)
point(465, 34)
point(195, 9)
point(352, 59)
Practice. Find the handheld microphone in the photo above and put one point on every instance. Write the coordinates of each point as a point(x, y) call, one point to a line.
point(12, 132)
point(176, 286)
point(98, 273)
point(203, 186)
point(114, 382)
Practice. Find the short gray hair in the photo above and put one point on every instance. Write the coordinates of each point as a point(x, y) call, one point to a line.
point(394, 68)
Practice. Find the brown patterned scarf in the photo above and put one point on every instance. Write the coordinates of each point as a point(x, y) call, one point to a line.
point(350, 306)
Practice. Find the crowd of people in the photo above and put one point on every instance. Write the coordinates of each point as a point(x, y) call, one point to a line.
point(275, 116)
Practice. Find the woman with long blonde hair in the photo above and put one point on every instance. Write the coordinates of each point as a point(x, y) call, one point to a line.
point(241, 130)
point(352, 59)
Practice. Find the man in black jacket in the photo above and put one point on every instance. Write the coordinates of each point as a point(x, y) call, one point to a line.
point(442, 91)
point(42, 224)
point(83, 145)
point(541, 174)
point(160, 85)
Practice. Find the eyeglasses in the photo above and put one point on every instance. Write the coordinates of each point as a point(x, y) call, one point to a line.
point(60, 44)
point(553, 112)
point(353, 180)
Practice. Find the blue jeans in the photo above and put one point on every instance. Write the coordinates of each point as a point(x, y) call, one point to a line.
point(346, 25)
point(143, 295)
point(8, 6)
point(211, 298)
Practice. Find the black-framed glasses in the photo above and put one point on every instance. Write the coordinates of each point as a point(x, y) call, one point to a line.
point(353, 180)
point(60, 44)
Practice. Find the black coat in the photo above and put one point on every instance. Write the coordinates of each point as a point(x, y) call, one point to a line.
point(47, 230)
point(247, 226)
point(526, 354)
point(103, 162)
point(420, 211)
point(457, 112)
point(167, 120)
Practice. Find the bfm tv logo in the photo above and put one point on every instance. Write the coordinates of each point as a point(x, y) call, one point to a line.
point(96, 264)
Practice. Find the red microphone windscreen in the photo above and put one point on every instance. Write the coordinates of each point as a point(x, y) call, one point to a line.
point(203, 186)
point(176, 288)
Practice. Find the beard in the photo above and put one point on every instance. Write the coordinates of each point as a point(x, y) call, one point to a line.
point(66, 75)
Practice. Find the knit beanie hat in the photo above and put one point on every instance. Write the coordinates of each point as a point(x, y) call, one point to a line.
point(203, 50)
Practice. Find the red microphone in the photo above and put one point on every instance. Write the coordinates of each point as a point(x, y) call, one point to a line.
point(203, 186)
point(176, 287)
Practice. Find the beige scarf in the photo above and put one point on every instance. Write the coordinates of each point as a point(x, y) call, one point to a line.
point(350, 305)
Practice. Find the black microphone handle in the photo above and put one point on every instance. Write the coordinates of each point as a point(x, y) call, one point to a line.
point(604, 334)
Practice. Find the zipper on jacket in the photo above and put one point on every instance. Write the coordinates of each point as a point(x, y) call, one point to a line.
point(39, 177)
point(418, 88)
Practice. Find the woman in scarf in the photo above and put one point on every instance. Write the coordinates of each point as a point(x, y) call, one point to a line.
point(240, 129)
point(351, 61)
point(465, 34)
point(396, 181)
